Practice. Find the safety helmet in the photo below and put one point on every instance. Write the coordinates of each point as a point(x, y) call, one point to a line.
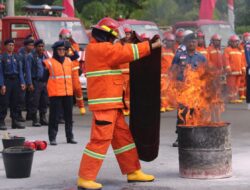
point(216, 37)
point(168, 36)
point(187, 32)
point(65, 34)
point(234, 38)
point(109, 25)
point(179, 32)
point(246, 34)
point(200, 34)
point(246, 37)
point(127, 30)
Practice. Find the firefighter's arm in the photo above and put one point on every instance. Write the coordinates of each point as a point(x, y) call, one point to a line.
point(21, 74)
point(243, 63)
point(2, 86)
point(227, 62)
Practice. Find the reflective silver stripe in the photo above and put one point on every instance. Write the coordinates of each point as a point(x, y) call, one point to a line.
point(81, 98)
point(164, 75)
point(103, 73)
point(167, 53)
point(124, 148)
point(236, 73)
point(214, 51)
point(75, 68)
point(105, 100)
point(125, 70)
point(235, 53)
point(135, 51)
point(203, 52)
point(60, 77)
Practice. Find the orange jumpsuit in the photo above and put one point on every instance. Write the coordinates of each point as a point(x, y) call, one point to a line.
point(167, 56)
point(215, 58)
point(203, 51)
point(242, 87)
point(105, 88)
point(235, 66)
point(126, 88)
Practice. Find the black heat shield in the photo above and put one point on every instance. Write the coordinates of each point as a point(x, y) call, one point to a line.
point(145, 104)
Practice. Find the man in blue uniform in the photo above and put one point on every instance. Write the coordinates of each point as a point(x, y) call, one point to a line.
point(23, 53)
point(247, 53)
point(11, 83)
point(180, 61)
point(38, 96)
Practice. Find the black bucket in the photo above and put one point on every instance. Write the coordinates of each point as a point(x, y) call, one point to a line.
point(205, 152)
point(13, 141)
point(18, 161)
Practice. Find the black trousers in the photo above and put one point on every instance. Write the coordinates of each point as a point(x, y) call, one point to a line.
point(11, 98)
point(57, 103)
point(248, 84)
point(38, 99)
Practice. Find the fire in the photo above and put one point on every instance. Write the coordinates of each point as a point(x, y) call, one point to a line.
point(198, 95)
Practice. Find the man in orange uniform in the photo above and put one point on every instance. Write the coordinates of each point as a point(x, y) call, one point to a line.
point(201, 46)
point(242, 88)
point(72, 52)
point(105, 86)
point(125, 72)
point(167, 56)
point(235, 67)
point(179, 37)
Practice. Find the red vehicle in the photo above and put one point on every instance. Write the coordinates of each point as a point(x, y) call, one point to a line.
point(208, 27)
point(41, 27)
point(142, 26)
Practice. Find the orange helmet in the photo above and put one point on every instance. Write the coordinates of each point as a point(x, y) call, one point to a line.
point(144, 36)
point(109, 25)
point(127, 30)
point(246, 34)
point(200, 34)
point(179, 32)
point(168, 36)
point(234, 38)
point(216, 37)
point(65, 34)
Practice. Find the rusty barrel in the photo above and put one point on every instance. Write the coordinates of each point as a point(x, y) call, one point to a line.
point(205, 151)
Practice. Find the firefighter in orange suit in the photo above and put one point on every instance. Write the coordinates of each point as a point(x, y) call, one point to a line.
point(201, 46)
point(72, 53)
point(125, 72)
point(179, 37)
point(105, 86)
point(242, 88)
point(167, 55)
point(235, 67)
point(58, 71)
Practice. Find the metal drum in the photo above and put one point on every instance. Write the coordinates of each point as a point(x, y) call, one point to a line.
point(205, 151)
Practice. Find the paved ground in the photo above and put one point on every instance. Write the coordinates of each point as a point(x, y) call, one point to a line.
point(56, 168)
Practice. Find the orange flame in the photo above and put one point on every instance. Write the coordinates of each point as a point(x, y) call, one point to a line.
point(199, 93)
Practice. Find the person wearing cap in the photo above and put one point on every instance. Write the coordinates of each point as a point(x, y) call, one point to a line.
point(181, 60)
point(235, 66)
point(23, 53)
point(105, 87)
point(11, 84)
point(58, 72)
point(38, 96)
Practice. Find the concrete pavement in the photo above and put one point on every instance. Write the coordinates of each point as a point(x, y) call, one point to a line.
point(56, 168)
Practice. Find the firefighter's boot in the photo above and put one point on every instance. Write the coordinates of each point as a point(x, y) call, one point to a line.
point(83, 184)
point(139, 176)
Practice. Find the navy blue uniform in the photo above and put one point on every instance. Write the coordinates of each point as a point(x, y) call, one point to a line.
point(247, 53)
point(181, 60)
point(38, 99)
point(11, 76)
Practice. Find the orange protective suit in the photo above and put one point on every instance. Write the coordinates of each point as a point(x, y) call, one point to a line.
point(105, 87)
point(203, 51)
point(235, 67)
point(167, 56)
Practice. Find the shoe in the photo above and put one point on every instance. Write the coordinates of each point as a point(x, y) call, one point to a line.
point(83, 184)
point(243, 97)
point(71, 141)
point(169, 109)
point(35, 122)
point(28, 116)
point(239, 101)
point(176, 143)
point(163, 109)
point(126, 112)
point(43, 120)
point(53, 142)
point(2, 126)
point(20, 118)
point(233, 101)
point(139, 176)
point(16, 125)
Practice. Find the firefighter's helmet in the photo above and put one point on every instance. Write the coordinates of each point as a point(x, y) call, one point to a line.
point(234, 38)
point(216, 37)
point(200, 34)
point(168, 36)
point(65, 34)
point(180, 33)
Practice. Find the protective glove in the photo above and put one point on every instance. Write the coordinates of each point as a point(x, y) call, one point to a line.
point(82, 110)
